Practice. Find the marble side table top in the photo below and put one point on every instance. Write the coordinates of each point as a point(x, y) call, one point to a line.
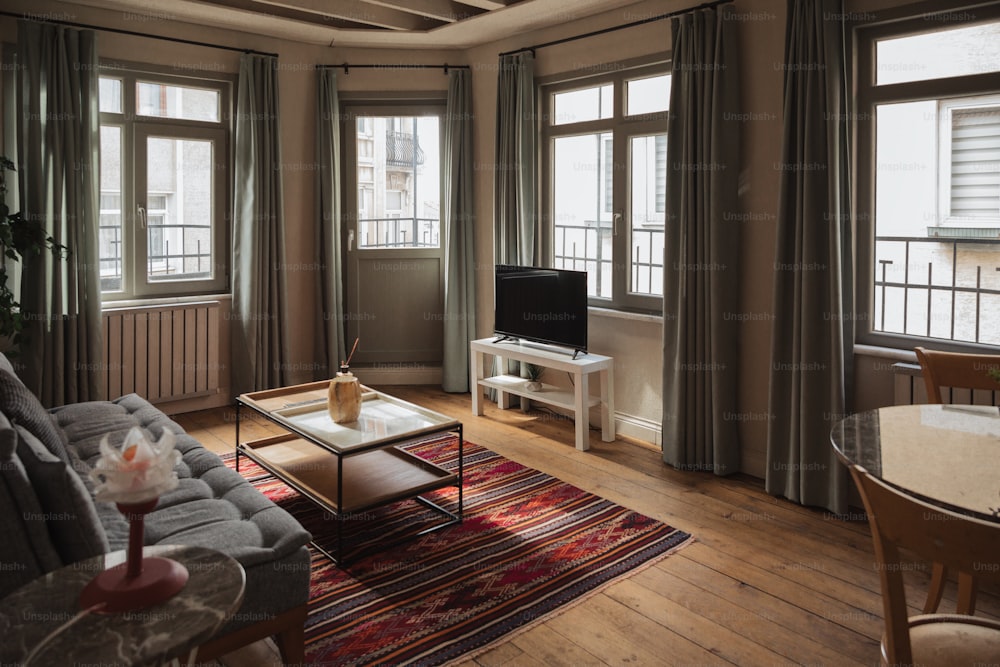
point(43, 620)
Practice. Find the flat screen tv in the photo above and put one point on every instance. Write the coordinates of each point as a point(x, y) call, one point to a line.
point(542, 305)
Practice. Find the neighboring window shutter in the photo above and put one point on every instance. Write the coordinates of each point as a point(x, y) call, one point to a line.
point(975, 163)
point(661, 173)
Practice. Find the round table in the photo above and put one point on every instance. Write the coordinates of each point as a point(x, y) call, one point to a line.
point(947, 455)
point(43, 619)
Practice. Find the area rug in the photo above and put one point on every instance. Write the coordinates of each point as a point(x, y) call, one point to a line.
point(529, 546)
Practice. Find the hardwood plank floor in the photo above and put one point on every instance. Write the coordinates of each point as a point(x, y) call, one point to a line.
point(767, 582)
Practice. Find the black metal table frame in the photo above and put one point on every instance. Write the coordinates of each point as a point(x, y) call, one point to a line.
point(339, 516)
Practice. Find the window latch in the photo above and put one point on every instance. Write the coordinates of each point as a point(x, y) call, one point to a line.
point(142, 217)
point(616, 218)
point(350, 240)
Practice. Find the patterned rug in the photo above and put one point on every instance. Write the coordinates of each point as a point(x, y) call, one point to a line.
point(529, 545)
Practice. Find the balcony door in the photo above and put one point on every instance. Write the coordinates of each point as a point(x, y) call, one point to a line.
point(394, 280)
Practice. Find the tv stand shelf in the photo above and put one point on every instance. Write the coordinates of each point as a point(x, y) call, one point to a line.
point(577, 399)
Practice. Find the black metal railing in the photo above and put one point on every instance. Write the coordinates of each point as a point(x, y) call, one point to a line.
point(916, 278)
point(399, 233)
point(587, 247)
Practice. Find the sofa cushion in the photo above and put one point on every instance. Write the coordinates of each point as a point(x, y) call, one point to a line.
point(67, 506)
point(26, 551)
point(24, 409)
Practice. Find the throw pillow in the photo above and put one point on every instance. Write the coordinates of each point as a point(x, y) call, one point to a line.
point(67, 507)
point(23, 408)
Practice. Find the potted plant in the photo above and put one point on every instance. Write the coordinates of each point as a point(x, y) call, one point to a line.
point(534, 374)
point(19, 238)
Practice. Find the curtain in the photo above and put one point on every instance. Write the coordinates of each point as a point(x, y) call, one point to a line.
point(329, 227)
point(813, 293)
point(515, 191)
point(258, 233)
point(58, 146)
point(701, 247)
point(458, 220)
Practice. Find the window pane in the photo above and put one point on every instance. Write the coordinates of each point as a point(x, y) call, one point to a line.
point(577, 106)
point(402, 159)
point(648, 95)
point(581, 212)
point(167, 101)
point(110, 95)
point(935, 55)
point(110, 225)
point(179, 209)
point(975, 163)
point(647, 204)
point(933, 277)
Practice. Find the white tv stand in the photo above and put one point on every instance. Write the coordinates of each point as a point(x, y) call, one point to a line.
point(577, 399)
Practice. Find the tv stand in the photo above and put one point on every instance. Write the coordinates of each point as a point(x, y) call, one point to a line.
point(577, 399)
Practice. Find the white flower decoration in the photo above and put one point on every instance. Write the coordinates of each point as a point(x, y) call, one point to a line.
point(139, 471)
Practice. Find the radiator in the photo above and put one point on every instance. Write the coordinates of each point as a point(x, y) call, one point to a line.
point(162, 353)
point(909, 389)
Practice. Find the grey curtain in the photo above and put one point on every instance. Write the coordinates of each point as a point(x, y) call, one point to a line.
point(258, 336)
point(813, 292)
point(59, 179)
point(329, 227)
point(701, 247)
point(458, 221)
point(515, 190)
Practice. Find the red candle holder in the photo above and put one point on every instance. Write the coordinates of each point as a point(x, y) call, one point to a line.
point(139, 582)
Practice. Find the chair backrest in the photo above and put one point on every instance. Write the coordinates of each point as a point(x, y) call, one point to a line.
point(954, 369)
point(899, 520)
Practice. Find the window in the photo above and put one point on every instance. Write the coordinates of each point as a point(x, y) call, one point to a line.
point(164, 185)
point(928, 132)
point(604, 141)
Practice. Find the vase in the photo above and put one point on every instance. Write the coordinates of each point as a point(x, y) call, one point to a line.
point(344, 398)
point(533, 385)
point(140, 581)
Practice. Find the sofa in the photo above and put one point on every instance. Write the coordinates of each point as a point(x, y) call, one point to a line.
point(49, 517)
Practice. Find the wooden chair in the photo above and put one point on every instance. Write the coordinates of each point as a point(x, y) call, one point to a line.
point(953, 370)
point(967, 544)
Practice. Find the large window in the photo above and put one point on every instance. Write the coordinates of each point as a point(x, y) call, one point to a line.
point(929, 180)
point(604, 148)
point(164, 185)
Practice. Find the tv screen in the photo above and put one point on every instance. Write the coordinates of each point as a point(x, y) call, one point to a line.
point(542, 305)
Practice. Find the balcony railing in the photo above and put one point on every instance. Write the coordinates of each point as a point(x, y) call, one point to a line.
point(588, 247)
point(939, 288)
point(398, 233)
point(162, 264)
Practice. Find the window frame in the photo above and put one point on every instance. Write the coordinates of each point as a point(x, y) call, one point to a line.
point(899, 22)
point(134, 128)
point(622, 128)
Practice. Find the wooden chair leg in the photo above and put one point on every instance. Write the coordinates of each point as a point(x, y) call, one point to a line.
point(966, 594)
point(936, 588)
point(292, 640)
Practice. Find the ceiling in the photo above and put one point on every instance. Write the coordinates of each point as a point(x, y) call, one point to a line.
point(369, 23)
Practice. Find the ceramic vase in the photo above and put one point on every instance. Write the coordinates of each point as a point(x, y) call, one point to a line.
point(344, 398)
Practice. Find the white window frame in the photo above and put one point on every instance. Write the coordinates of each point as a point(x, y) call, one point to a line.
point(621, 127)
point(134, 127)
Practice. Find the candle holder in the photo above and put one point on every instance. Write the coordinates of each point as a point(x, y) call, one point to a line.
point(139, 582)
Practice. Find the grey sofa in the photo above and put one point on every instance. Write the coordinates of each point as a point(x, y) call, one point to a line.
point(48, 517)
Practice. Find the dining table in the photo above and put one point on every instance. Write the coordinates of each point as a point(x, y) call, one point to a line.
point(945, 455)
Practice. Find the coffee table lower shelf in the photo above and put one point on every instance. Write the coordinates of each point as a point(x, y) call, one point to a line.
point(347, 483)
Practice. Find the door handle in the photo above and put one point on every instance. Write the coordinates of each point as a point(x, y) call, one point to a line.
point(350, 240)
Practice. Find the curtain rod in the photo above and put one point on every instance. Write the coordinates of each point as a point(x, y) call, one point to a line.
point(347, 66)
point(85, 26)
point(658, 17)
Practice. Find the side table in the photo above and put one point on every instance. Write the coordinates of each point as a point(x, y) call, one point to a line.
point(42, 624)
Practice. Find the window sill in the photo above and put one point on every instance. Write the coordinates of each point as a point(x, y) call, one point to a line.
point(164, 301)
point(610, 313)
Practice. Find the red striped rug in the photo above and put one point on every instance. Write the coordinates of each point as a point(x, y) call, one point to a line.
point(529, 545)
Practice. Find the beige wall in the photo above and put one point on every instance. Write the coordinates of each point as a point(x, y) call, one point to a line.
point(636, 344)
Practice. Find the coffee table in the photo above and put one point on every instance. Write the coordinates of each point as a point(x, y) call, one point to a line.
point(347, 469)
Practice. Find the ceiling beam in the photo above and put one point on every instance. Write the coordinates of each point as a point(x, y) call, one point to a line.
point(357, 11)
point(253, 9)
point(489, 4)
point(440, 10)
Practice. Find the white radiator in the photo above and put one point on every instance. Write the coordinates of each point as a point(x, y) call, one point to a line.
point(910, 389)
point(162, 353)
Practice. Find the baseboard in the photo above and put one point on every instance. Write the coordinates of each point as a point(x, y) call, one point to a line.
point(639, 428)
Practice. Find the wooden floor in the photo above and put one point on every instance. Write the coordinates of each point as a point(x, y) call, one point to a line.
point(766, 583)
